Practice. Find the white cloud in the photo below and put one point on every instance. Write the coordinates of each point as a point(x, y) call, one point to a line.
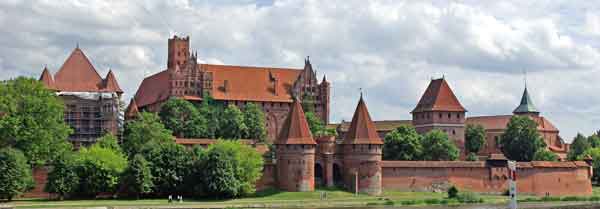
point(389, 48)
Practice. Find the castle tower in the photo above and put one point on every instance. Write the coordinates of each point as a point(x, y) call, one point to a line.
point(325, 90)
point(439, 109)
point(179, 51)
point(526, 106)
point(362, 150)
point(296, 153)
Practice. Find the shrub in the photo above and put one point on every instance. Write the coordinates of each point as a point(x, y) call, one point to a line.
point(594, 198)
point(472, 157)
point(389, 202)
point(99, 170)
point(409, 202)
point(15, 173)
point(432, 201)
point(452, 192)
point(469, 197)
point(62, 179)
point(550, 199)
point(574, 198)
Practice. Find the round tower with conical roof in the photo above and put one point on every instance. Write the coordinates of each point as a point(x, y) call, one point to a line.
point(362, 150)
point(295, 153)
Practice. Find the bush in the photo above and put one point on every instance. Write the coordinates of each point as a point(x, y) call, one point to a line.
point(432, 201)
point(574, 198)
point(99, 170)
point(469, 197)
point(62, 179)
point(15, 173)
point(452, 192)
point(594, 198)
point(410, 202)
point(389, 202)
point(550, 199)
point(472, 157)
point(169, 164)
point(137, 178)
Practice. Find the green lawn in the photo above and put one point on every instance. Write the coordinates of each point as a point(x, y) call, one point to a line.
point(273, 198)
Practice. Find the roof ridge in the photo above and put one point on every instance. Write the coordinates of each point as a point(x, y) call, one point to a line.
point(254, 67)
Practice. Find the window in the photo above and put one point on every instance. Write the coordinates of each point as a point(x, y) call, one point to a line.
point(458, 115)
point(453, 132)
point(449, 116)
point(440, 115)
point(497, 141)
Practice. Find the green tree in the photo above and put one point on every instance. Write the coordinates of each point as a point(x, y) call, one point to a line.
point(472, 157)
point(595, 154)
point(63, 179)
point(437, 146)
point(403, 143)
point(254, 118)
point(170, 163)
point(99, 170)
point(474, 138)
point(232, 124)
point(15, 173)
point(144, 129)
point(317, 126)
point(211, 111)
point(231, 169)
point(594, 140)
point(32, 120)
point(181, 117)
point(578, 147)
point(109, 141)
point(521, 140)
point(137, 177)
point(545, 155)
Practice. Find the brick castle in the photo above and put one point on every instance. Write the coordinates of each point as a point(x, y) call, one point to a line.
point(353, 160)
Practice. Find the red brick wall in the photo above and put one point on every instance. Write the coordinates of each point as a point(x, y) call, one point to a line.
point(430, 176)
point(40, 176)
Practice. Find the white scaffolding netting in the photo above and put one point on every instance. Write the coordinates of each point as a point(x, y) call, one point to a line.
point(89, 95)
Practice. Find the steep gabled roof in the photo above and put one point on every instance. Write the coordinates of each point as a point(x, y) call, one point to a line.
point(132, 110)
point(295, 130)
point(78, 74)
point(154, 88)
point(499, 122)
point(439, 97)
point(110, 83)
point(526, 105)
point(46, 78)
point(362, 130)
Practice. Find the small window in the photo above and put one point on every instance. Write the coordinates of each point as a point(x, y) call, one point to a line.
point(453, 132)
point(440, 115)
point(458, 115)
point(449, 115)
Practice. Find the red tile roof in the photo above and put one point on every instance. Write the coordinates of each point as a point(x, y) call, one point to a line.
point(154, 88)
point(261, 88)
point(110, 83)
point(380, 125)
point(46, 78)
point(439, 97)
point(132, 109)
point(77, 74)
point(499, 122)
point(362, 130)
point(295, 129)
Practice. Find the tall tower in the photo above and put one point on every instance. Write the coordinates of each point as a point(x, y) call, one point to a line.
point(440, 109)
point(179, 51)
point(362, 150)
point(296, 153)
point(526, 106)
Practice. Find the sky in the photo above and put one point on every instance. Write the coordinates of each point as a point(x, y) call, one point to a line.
point(486, 50)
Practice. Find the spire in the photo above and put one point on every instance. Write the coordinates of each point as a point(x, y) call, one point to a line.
point(132, 110)
point(439, 97)
point(295, 130)
point(46, 78)
point(362, 130)
point(526, 105)
point(110, 83)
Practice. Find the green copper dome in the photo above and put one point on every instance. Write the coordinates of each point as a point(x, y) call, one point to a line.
point(526, 105)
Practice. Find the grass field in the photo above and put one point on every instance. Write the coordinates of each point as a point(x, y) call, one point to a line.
point(273, 198)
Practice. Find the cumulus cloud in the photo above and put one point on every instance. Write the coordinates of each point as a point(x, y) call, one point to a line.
point(390, 49)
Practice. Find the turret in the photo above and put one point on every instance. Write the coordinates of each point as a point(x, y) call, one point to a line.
point(362, 150)
point(132, 110)
point(526, 106)
point(46, 79)
point(295, 153)
point(439, 109)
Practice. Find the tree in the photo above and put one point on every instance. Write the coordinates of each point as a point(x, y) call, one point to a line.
point(32, 120)
point(545, 155)
point(578, 147)
point(595, 154)
point(474, 138)
point(594, 140)
point(109, 141)
point(521, 140)
point(170, 163)
point(254, 118)
point(437, 146)
point(137, 177)
point(15, 173)
point(232, 124)
point(209, 110)
point(403, 143)
point(317, 126)
point(181, 117)
point(99, 170)
point(472, 157)
point(144, 129)
point(63, 179)
point(231, 169)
